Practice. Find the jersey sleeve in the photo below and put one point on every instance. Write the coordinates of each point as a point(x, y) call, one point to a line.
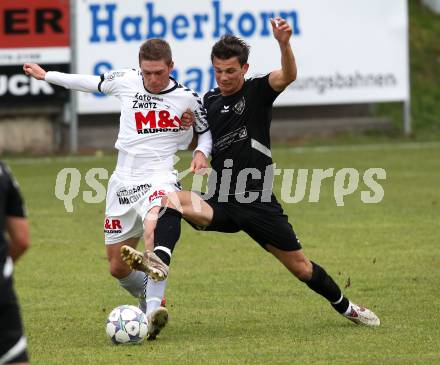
point(86, 83)
point(112, 81)
point(14, 202)
point(204, 144)
point(206, 99)
point(265, 91)
point(201, 123)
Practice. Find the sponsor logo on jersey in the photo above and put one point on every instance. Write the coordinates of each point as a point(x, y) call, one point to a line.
point(147, 97)
point(131, 196)
point(157, 121)
point(239, 107)
point(112, 226)
point(156, 194)
point(111, 76)
point(225, 109)
point(227, 140)
point(137, 104)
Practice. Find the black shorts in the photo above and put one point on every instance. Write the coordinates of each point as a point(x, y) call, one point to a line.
point(265, 222)
point(12, 340)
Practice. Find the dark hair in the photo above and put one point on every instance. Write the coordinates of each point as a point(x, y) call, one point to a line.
point(155, 49)
point(231, 46)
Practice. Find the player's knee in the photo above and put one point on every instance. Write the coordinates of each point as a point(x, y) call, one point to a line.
point(172, 201)
point(302, 270)
point(164, 202)
point(180, 201)
point(119, 270)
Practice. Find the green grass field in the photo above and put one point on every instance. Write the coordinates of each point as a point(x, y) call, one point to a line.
point(229, 301)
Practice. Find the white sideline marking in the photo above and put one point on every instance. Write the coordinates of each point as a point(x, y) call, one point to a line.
point(365, 147)
point(38, 160)
point(307, 149)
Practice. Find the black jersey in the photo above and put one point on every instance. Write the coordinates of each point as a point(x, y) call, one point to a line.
point(11, 204)
point(240, 126)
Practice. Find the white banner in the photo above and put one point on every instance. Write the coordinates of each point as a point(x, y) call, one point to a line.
point(41, 55)
point(347, 51)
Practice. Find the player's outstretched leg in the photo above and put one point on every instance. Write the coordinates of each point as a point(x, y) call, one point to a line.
point(157, 320)
point(147, 262)
point(323, 284)
point(317, 279)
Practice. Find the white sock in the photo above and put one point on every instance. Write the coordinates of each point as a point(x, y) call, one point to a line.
point(134, 283)
point(348, 311)
point(155, 291)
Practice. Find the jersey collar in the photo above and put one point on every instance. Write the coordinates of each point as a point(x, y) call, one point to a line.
point(174, 86)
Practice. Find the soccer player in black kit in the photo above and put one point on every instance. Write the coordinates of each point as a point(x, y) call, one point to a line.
point(13, 221)
point(239, 115)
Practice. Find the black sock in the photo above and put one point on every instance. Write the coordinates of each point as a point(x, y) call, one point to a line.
point(323, 284)
point(167, 233)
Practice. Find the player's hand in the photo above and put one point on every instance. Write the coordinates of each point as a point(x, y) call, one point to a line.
point(281, 30)
point(34, 70)
point(188, 118)
point(199, 164)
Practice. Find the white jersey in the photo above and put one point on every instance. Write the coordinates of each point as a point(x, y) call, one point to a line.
point(150, 134)
point(150, 126)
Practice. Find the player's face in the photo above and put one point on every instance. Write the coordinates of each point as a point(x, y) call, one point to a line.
point(156, 75)
point(229, 74)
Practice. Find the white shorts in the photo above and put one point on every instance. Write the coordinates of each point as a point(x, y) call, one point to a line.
point(128, 202)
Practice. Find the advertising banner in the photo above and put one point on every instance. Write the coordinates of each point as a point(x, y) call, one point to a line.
point(346, 51)
point(34, 31)
point(18, 89)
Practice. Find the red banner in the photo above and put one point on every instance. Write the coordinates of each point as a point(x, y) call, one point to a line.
point(34, 23)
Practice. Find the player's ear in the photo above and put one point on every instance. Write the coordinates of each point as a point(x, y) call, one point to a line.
point(171, 66)
point(245, 68)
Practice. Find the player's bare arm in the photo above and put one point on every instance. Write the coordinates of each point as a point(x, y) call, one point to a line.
point(280, 79)
point(18, 231)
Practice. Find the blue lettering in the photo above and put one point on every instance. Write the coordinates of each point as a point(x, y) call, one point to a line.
point(265, 20)
point(194, 83)
point(195, 79)
point(294, 23)
point(152, 20)
point(246, 18)
point(135, 23)
point(198, 19)
point(106, 22)
point(211, 78)
point(100, 68)
point(180, 22)
point(218, 25)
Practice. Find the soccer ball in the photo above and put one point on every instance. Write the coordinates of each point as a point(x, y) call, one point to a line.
point(126, 324)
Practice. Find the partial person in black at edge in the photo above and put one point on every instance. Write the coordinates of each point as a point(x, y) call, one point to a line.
point(13, 345)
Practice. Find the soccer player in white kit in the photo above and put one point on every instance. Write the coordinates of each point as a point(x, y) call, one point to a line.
point(150, 133)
